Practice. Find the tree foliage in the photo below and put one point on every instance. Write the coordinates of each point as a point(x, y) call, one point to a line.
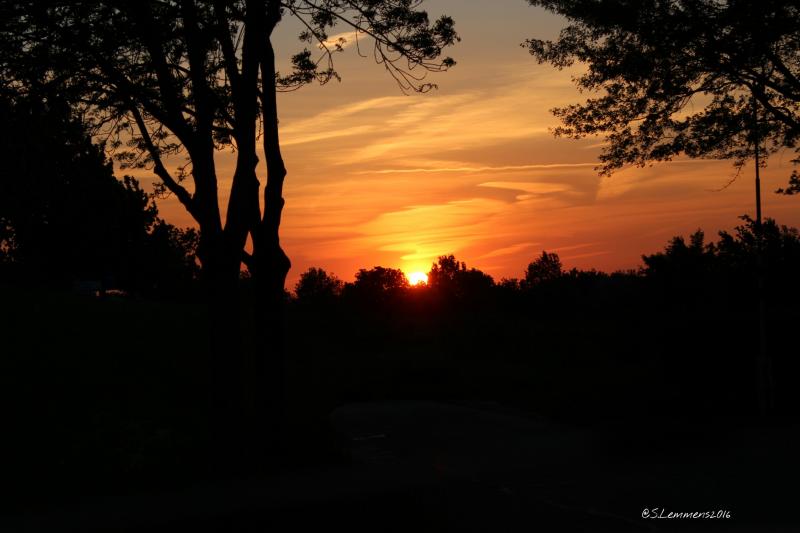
point(545, 268)
point(315, 284)
point(65, 217)
point(164, 79)
point(679, 76)
point(166, 84)
point(452, 278)
point(160, 78)
point(732, 259)
point(380, 280)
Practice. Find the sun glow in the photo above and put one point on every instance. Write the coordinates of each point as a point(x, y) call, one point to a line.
point(418, 278)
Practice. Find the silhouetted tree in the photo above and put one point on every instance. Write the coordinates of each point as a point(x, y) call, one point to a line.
point(701, 274)
point(509, 283)
point(316, 285)
point(168, 264)
point(686, 261)
point(679, 76)
point(65, 217)
point(451, 277)
point(190, 77)
point(686, 273)
point(444, 272)
point(715, 281)
point(545, 268)
point(379, 283)
point(780, 246)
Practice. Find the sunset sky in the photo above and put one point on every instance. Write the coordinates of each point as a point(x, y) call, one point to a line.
point(380, 178)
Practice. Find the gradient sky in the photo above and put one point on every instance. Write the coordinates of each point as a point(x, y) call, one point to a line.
point(380, 178)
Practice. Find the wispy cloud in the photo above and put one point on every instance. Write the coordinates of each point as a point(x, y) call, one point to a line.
point(509, 250)
point(433, 124)
point(323, 135)
point(485, 168)
point(586, 255)
point(342, 121)
point(529, 187)
point(665, 175)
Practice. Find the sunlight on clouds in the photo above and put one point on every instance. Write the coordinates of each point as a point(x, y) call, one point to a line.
point(509, 250)
point(435, 124)
point(585, 256)
point(420, 234)
point(380, 178)
point(499, 168)
point(533, 188)
point(708, 174)
point(324, 135)
point(337, 122)
point(343, 40)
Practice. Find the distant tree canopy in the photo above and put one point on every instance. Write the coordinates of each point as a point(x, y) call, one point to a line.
point(65, 217)
point(733, 256)
point(317, 285)
point(680, 76)
point(689, 271)
point(378, 282)
point(451, 277)
point(545, 268)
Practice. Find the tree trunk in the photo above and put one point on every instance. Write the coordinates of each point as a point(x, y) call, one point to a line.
point(226, 358)
point(220, 259)
point(248, 382)
point(269, 359)
point(271, 267)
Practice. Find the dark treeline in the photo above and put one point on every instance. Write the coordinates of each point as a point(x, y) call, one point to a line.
point(113, 389)
point(115, 396)
point(67, 221)
point(677, 337)
point(90, 385)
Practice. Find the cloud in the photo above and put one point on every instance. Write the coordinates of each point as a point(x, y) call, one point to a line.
point(342, 40)
point(391, 132)
point(586, 255)
point(420, 234)
point(666, 175)
point(509, 250)
point(432, 124)
point(469, 169)
point(342, 121)
point(326, 134)
point(533, 188)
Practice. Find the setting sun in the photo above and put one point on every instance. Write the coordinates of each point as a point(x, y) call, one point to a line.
point(418, 278)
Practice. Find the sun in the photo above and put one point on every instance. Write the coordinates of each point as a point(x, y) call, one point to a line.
point(418, 278)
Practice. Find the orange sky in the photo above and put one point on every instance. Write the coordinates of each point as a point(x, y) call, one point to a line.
point(380, 178)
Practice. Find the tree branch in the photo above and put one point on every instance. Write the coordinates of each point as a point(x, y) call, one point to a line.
point(197, 70)
point(158, 166)
point(166, 82)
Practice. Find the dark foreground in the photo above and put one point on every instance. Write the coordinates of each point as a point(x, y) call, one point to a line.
point(424, 466)
point(570, 411)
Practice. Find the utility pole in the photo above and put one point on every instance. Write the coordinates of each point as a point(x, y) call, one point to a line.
point(765, 390)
